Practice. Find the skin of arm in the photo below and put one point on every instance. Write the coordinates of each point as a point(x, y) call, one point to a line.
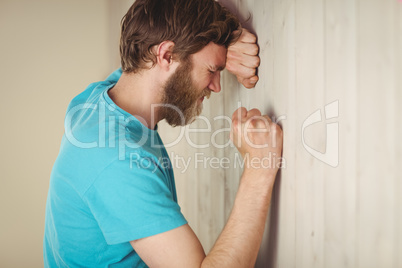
point(240, 240)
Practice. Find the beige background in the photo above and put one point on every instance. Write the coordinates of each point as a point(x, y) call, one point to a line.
point(50, 51)
point(312, 52)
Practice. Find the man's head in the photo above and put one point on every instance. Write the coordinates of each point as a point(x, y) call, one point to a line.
point(195, 33)
point(189, 24)
point(193, 80)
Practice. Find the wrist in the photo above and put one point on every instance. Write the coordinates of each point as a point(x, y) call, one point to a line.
point(265, 174)
point(263, 165)
point(262, 172)
point(259, 182)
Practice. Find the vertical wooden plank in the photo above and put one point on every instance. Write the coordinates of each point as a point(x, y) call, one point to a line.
point(263, 26)
point(218, 138)
point(398, 133)
point(232, 175)
point(204, 177)
point(262, 98)
point(276, 90)
point(207, 160)
point(376, 158)
point(309, 170)
point(191, 180)
point(285, 104)
point(340, 85)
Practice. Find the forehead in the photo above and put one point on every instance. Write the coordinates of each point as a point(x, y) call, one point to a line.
point(212, 56)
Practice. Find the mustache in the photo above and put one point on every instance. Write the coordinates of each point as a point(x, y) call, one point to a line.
point(206, 92)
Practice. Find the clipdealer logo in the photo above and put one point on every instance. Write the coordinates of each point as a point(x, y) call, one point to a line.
point(114, 131)
point(331, 154)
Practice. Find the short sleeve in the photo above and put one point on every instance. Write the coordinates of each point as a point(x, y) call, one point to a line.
point(132, 201)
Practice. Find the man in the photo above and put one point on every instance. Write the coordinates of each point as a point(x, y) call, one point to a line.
point(112, 198)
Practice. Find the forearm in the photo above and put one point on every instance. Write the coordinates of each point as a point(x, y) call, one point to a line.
point(240, 240)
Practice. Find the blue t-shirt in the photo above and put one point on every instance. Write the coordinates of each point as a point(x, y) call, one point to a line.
point(112, 183)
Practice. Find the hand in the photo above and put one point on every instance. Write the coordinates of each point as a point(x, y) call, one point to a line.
point(242, 59)
point(257, 138)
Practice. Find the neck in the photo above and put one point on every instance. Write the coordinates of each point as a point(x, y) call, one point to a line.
point(137, 93)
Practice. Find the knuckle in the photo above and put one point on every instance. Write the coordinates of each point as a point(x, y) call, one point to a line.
point(249, 72)
point(261, 124)
point(233, 55)
point(276, 128)
point(254, 49)
point(257, 61)
point(254, 112)
point(252, 124)
point(235, 125)
point(234, 116)
point(267, 118)
point(248, 85)
point(229, 66)
point(250, 37)
point(237, 115)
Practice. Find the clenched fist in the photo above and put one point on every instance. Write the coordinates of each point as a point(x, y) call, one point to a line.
point(242, 59)
point(258, 139)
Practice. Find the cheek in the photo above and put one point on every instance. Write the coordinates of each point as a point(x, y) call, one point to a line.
point(202, 81)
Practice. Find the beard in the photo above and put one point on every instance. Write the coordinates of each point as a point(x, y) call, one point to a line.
point(180, 96)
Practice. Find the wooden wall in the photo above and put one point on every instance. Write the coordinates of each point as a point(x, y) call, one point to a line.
point(344, 211)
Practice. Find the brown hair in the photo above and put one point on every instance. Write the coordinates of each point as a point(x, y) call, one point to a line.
point(190, 24)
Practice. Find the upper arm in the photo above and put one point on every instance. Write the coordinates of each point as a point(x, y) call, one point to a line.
point(178, 247)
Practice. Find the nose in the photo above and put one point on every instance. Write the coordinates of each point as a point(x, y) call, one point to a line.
point(215, 84)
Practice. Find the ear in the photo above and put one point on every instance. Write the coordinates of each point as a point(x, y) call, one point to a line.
point(164, 55)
